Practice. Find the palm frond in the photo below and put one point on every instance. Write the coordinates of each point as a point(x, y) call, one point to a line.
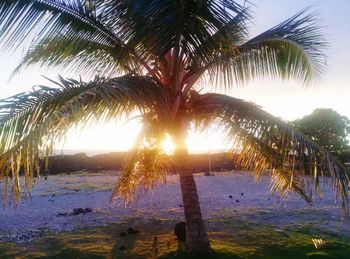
point(20, 18)
point(71, 53)
point(41, 20)
point(291, 50)
point(226, 39)
point(32, 123)
point(269, 59)
point(234, 31)
point(304, 30)
point(158, 26)
point(146, 165)
point(263, 141)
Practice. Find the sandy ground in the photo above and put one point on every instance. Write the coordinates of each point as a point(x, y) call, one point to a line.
point(221, 195)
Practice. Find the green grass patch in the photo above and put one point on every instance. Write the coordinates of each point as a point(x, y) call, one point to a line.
point(231, 237)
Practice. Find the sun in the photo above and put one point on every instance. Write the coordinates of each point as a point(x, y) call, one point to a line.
point(168, 145)
point(118, 136)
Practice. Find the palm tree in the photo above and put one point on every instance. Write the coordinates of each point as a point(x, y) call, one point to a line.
point(151, 56)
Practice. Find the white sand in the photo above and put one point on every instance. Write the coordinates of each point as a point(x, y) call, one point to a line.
point(63, 193)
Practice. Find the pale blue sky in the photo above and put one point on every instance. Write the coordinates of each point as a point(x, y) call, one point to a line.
point(288, 100)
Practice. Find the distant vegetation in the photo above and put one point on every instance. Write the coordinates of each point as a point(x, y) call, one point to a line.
point(329, 129)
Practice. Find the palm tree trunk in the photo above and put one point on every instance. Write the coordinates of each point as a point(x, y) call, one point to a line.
point(197, 241)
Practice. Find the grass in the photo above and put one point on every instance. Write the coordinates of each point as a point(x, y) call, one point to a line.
point(231, 237)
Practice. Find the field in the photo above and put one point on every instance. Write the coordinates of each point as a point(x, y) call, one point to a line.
point(243, 219)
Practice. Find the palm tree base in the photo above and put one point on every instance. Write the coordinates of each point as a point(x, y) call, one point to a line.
point(197, 242)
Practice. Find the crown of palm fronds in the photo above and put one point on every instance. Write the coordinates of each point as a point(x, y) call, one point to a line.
point(135, 36)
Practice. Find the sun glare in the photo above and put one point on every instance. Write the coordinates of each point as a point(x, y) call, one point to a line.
point(210, 141)
point(121, 137)
point(103, 137)
point(168, 145)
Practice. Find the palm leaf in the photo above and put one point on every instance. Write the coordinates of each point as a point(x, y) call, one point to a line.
point(157, 26)
point(32, 123)
point(269, 59)
point(290, 50)
point(42, 20)
point(227, 38)
point(303, 30)
point(20, 18)
point(74, 53)
point(263, 141)
point(146, 165)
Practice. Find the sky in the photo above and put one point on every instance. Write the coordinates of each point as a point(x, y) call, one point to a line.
point(287, 100)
